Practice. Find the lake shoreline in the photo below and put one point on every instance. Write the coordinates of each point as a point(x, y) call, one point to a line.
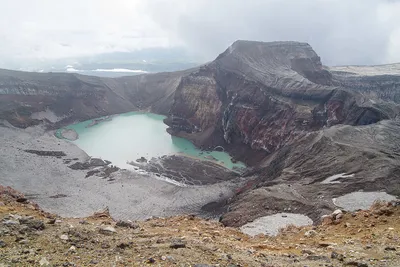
point(78, 133)
point(129, 195)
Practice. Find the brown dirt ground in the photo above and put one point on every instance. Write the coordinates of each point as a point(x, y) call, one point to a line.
point(365, 237)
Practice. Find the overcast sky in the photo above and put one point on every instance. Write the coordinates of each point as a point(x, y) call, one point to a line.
point(341, 31)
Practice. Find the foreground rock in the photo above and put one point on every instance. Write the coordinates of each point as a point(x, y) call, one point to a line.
point(190, 241)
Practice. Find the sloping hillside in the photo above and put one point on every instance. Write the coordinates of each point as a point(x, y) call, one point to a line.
point(31, 237)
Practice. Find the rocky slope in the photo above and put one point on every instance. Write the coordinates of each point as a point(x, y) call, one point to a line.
point(62, 98)
point(31, 237)
point(376, 82)
point(301, 177)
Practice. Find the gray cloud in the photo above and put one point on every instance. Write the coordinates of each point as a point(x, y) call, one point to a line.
point(341, 31)
point(38, 30)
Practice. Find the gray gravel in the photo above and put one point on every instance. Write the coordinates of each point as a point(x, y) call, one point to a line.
point(270, 225)
point(361, 200)
point(130, 196)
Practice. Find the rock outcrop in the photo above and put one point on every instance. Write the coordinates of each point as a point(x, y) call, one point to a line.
point(380, 82)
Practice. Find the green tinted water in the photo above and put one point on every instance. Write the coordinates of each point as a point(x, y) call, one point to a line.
point(132, 135)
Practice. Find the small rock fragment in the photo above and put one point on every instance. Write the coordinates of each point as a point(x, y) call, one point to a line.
point(337, 256)
point(151, 260)
point(105, 245)
point(326, 244)
point(317, 258)
point(32, 223)
point(306, 251)
point(337, 212)
point(123, 245)
point(108, 230)
point(356, 263)
point(127, 224)
point(51, 221)
point(170, 258)
point(22, 200)
point(178, 243)
point(327, 220)
point(10, 222)
point(310, 233)
point(44, 262)
point(64, 237)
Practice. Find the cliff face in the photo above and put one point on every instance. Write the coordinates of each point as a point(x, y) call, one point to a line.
point(305, 176)
point(73, 97)
point(376, 82)
point(265, 95)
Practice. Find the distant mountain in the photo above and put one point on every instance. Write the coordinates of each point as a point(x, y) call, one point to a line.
point(118, 64)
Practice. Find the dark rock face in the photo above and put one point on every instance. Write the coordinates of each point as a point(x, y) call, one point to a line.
point(74, 97)
point(293, 177)
point(175, 167)
point(377, 82)
point(266, 96)
point(46, 153)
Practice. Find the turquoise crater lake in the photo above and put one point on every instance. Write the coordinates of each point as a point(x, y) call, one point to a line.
point(130, 136)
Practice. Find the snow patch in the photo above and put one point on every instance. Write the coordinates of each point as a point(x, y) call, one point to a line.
point(331, 179)
point(120, 70)
point(270, 225)
point(388, 69)
point(361, 200)
point(47, 114)
point(70, 68)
